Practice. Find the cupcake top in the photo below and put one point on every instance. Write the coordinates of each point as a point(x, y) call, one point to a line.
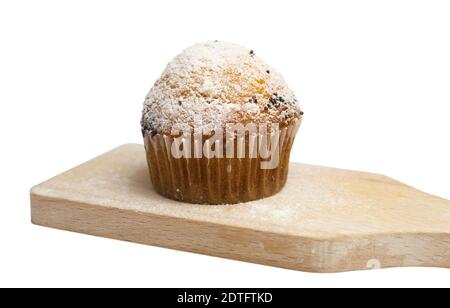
point(215, 83)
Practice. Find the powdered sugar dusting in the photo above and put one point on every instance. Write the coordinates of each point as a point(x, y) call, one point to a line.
point(215, 83)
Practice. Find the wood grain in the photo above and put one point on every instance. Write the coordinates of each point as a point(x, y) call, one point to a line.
point(324, 220)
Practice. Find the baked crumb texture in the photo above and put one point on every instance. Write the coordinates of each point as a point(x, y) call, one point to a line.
point(215, 83)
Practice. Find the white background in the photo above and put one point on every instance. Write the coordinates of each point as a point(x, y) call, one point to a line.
point(373, 78)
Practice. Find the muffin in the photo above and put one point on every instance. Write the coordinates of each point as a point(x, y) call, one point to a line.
point(218, 126)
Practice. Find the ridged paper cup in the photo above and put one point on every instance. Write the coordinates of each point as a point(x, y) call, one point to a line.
point(214, 180)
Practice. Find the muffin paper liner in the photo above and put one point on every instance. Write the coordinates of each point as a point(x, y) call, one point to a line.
point(212, 180)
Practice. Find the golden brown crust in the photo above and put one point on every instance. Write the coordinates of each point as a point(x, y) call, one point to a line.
point(213, 84)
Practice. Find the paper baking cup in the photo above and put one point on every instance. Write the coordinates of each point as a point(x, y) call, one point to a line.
point(217, 180)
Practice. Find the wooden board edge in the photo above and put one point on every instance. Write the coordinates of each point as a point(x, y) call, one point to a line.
point(169, 232)
point(280, 250)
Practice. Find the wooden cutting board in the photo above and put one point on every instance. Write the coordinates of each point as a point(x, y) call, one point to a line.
point(324, 220)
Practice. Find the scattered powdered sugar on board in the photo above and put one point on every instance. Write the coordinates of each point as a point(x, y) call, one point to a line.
point(215, 83)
